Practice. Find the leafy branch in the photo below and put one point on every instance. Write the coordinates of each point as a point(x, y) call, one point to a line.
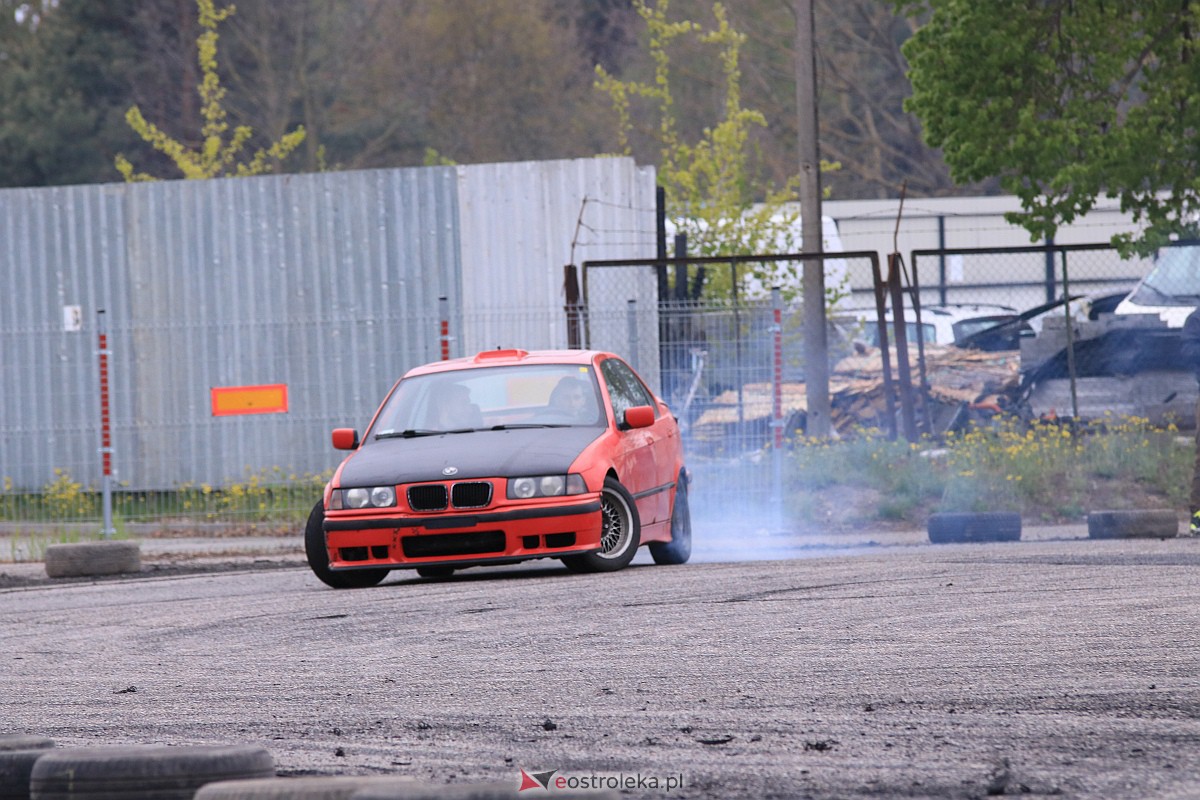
point(216, 157)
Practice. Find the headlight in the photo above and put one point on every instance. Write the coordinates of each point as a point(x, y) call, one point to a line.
point(383, 496)
point(522, 488)
point(368, 497)
point(545, 486)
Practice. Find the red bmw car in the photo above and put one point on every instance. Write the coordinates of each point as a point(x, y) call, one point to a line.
point(502, 457)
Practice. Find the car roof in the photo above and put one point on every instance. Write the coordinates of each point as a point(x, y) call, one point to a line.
point(510, 358)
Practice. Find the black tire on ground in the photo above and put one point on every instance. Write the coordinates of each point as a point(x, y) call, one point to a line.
point(1158, 523)
point(24, 741)
point(679, 549)
point(620, 534)
point(15, 768)
point(435, 572)
point(315, 787)
point(318, 557)
point(143, 772)
point(994, 526)
point(81, 559)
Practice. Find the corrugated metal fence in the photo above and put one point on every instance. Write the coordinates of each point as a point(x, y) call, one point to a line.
point(327, 283)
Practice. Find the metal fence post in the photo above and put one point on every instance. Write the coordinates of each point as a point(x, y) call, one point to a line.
point(1070, 339)
point(574, 308)
point(105, 429)
point(777, 405)
point(632, 332)
point(941, 259)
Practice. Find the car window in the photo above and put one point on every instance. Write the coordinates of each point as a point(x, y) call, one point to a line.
point(871, 332)
point(624, 387)
point(928, 332)
point(558, 395)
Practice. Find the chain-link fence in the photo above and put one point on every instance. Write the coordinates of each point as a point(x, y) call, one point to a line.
point(1023, 277)
point(731, 361)
point(718, 345)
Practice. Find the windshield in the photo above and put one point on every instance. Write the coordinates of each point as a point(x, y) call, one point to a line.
point(496, 398)
point(970, 327)
point(1174, 280)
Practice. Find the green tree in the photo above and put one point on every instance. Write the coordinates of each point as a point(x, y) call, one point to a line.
point(1065, 101)
point(710, 187)
point(66, 77)
point(215, 157)
point(476, 81)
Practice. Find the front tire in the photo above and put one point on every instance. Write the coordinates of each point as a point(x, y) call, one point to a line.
point(318, 557)
point(620, 532)
point(679, 549)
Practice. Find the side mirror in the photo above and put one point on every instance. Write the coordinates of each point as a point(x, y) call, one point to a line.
point(345, 439)
point(639, 417)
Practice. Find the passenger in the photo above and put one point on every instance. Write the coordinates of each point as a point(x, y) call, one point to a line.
point(570, 398)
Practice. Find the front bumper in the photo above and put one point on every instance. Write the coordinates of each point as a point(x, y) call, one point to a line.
point(506, 534)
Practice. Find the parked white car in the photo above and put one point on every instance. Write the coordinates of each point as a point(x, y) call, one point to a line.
point(1171, 289)
point(940, 324)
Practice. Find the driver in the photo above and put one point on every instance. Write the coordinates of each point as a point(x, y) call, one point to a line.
point(570, 399)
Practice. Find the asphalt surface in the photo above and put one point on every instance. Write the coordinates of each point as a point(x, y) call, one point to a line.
point(826, 667)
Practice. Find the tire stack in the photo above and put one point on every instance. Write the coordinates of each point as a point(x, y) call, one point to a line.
point(33, 768)
point(137, 772)
point(18, 754)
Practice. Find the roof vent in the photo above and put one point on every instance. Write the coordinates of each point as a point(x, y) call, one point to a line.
point(501, 355)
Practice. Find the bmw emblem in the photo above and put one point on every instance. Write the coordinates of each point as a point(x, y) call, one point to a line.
point(450, 471)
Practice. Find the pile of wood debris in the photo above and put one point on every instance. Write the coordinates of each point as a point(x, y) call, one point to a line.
point(856, 387)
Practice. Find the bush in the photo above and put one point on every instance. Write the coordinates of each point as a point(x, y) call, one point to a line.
point(1041, 470)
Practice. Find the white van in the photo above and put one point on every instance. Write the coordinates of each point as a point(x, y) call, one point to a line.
point(1171, 289)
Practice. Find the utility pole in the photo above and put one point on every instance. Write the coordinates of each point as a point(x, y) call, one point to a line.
point(816, 350)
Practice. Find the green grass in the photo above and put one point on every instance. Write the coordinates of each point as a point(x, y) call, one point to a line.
point(1042, 471)
point(265, 497)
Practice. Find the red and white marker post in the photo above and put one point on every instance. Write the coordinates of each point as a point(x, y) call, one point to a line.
point(444, 327)
point(105, 429)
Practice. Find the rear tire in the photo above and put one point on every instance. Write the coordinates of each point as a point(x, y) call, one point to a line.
point(318, 557)
point(679, 549)
point(435, 572)
point(620, 532)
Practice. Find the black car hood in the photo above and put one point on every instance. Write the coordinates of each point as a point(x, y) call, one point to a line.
point(481, 454)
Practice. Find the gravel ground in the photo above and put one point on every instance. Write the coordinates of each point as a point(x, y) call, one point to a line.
point(1055, 666)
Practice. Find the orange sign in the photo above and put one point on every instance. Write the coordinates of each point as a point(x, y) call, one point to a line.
point(267, 399)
